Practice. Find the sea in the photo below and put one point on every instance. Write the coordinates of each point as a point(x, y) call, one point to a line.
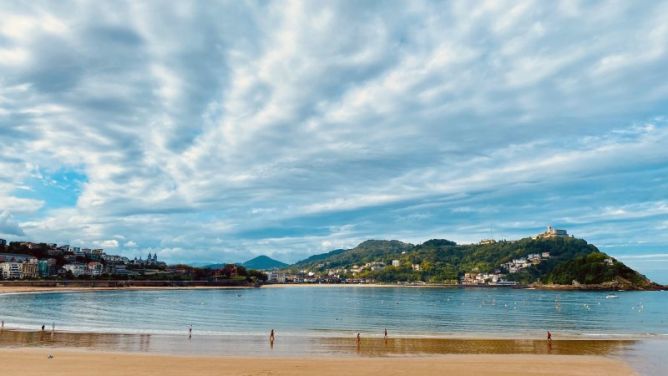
point(340, 311)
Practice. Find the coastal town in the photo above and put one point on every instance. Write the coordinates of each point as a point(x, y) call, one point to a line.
point(33, 261)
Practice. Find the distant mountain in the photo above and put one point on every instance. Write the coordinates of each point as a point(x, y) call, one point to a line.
point(263, 263)
point(555, 261)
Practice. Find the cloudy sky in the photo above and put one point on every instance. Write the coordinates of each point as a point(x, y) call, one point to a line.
point(216, 131)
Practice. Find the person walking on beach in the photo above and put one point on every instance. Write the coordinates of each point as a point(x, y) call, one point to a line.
point(190, 331)
point(549, 337)
point(53, 327)
point(271, 337)
point(2, 326)
point(43, 327)
point(358, 339)
point(385, 333)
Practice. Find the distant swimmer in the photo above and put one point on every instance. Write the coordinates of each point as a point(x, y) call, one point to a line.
point(549, 336)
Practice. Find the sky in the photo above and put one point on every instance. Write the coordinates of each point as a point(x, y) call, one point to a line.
point(217, 131)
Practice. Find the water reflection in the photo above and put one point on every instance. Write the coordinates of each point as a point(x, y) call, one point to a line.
point(296, 346)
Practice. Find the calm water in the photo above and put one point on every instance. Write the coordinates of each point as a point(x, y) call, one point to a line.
point(340, 311)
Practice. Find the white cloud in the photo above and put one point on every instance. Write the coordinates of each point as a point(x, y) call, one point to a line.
point(8, 226)
point(266, 127)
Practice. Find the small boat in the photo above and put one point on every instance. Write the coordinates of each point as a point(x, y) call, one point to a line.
point(611, 296)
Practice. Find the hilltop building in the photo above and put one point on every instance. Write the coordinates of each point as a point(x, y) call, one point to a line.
point(551, 232)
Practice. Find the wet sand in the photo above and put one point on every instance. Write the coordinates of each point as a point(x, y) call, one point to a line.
point(285, 346)
point(644, 356)
point(30, 362)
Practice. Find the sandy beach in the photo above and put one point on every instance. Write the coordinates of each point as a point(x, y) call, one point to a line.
point(73, 363)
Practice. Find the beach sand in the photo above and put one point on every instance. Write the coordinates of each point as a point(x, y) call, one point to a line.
point(30, 362)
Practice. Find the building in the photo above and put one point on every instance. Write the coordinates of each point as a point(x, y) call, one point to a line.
point(94, 269)
point(76, 269)
point(96, 254)
point(3, 242)
point(30, 269)
point(416, 267)
point(152, 260)
point(46, 267)
point(276, 276)
point(117, 269)
point(14, 257)
point(11, 270)
point(396, 263)
point(487, 241)
point(551, 232)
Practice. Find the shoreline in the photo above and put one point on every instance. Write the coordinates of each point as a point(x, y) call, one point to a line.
point(528, 337)
point(296, 344)
point(7, 290)
point(75, 362)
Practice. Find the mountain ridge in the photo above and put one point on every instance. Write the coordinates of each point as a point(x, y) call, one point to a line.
point(556, 261)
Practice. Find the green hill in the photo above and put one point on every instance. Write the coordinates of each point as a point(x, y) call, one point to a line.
point(554, 261)
point(263, 263)
point(367, 251)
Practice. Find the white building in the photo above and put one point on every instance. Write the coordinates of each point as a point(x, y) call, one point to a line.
point(11, 270)
point(76, 269)
point(551, 232)
point(396, 263)
point(276, 276)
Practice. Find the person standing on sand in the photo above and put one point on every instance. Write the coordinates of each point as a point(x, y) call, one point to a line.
point(271, 337)
point(190, 331)
point(549, 336)
point(358, 340)
point(43, 327)
point(385, 333)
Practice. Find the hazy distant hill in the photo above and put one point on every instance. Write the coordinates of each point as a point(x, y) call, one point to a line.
point(263, 263)
point(440, 260)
